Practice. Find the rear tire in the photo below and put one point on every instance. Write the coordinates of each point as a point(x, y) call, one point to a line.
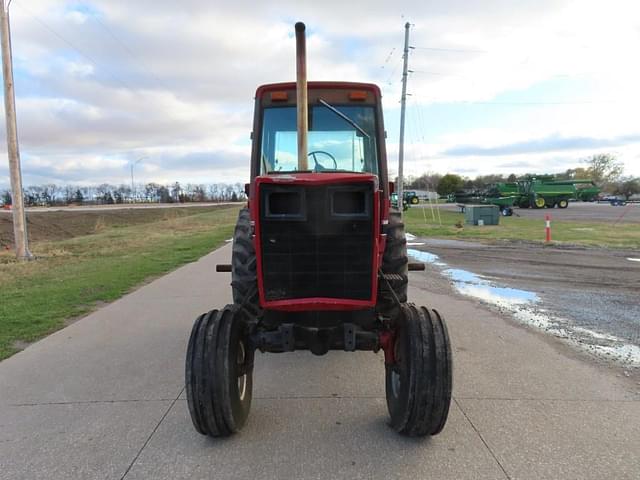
point(394, 261)
point(244, 284)
point(218, 372)
point(563, 203)
point(419, 382)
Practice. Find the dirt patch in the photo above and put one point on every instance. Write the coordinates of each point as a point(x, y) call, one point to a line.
point(65, 224)
point(588, 290)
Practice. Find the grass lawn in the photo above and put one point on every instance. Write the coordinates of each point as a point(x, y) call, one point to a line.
point(599, 234)
point(72, 276)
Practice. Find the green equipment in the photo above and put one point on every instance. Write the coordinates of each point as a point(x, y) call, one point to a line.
point(411, 197)
point(539, 191)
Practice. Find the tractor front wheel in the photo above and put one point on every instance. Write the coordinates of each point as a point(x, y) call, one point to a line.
point(244, 285)
point(419, 378)
point(563, 203)
point(218, 372)
point(395, 262)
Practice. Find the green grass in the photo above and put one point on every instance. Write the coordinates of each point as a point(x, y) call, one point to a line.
point(72, 276)
point(598, 234)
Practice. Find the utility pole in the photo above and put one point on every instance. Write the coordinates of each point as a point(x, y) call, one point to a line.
point(403, 103)
point(17, 198)
point(133, 188)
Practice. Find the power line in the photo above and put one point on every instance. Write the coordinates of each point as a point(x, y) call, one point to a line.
point(393, 72)
point(389, 56)
point(416, 130)
point(557, 75)
point(433, 73)
point(126, 48)
point(585, 102)
point(536, 103)
point(454, 50)
point(421, 118)
point(70, 44)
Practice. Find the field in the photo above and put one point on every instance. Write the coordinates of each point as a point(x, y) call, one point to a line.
point(574, 225)
point(86, 259)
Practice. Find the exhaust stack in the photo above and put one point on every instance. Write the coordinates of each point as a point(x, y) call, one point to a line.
point(301, 96)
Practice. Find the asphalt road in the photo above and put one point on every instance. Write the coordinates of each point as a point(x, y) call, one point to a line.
point(576, 211)
point(104, 398)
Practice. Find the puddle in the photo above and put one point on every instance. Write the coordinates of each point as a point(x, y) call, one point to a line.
point(498, 295)
point(425, 257)
point(411, 237)
point(525, 307)
point(469, 283)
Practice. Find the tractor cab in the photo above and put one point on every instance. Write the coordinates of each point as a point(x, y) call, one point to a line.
point(318, 222)
point(345, 124)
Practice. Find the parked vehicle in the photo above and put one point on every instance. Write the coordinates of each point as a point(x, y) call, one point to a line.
point(540, 191)
point(319, 262)
point(394, 202)
point(411, 197)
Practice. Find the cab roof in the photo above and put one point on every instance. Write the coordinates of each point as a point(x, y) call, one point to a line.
point(270, 87)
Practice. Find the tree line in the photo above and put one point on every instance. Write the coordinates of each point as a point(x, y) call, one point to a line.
point(604, 169)
point(105, 194)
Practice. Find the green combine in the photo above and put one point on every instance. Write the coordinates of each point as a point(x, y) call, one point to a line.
point(540, 191)
point(531, 191)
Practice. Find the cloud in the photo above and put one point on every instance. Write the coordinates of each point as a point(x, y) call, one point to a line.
point(100, 82)
point(548, 144)
point(527, 164)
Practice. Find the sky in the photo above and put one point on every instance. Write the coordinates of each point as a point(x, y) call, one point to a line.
point(496, 86)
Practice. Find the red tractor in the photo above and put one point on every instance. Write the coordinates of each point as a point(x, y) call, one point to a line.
point(319, 261)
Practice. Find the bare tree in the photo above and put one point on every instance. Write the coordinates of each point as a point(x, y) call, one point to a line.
point(604, 168)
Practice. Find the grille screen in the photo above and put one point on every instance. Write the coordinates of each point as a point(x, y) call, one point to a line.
point(317, 251)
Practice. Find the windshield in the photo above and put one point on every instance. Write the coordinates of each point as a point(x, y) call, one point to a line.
point(334, 144)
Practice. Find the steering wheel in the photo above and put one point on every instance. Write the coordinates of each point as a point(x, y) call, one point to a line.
point(318, 166)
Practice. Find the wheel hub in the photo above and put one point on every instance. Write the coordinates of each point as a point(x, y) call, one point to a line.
point(242, 379)
point(396, 381)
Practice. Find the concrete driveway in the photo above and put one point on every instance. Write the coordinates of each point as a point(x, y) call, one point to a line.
point(104, 398)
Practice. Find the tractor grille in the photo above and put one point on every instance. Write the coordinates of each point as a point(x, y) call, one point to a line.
point(316, 241)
